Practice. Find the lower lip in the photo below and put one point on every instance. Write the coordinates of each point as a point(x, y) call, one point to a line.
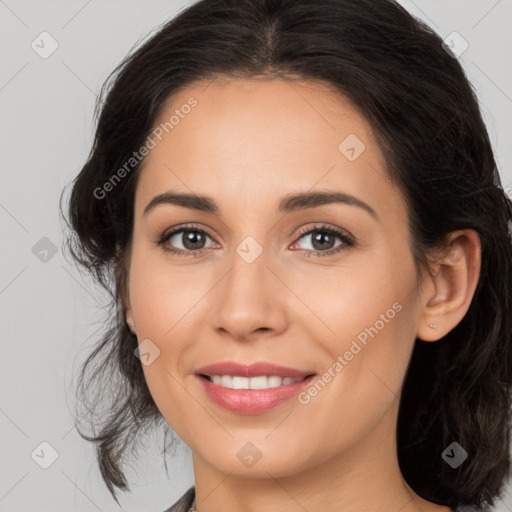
point(252, 401)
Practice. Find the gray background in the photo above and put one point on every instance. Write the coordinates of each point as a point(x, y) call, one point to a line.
point(49, 312)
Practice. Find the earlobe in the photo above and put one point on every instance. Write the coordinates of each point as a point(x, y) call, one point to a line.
point(130, 322)
point(454, 283)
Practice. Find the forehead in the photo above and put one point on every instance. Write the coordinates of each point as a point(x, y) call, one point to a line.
point(256, 138)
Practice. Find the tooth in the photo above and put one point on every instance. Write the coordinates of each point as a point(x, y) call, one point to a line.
point(258, 382)
point(226, 381)
point(240, 382)
point(274, 381)
point(216, 379)
point(288, 380)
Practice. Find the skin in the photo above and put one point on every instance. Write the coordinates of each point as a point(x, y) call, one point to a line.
point(247, 144)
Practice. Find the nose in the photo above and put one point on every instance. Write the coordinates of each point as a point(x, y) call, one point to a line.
point(251, 300)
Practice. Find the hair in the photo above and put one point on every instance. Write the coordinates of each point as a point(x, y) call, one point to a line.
point(412, 90)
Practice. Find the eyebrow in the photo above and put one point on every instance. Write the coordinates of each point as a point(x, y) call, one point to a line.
point(289, 203)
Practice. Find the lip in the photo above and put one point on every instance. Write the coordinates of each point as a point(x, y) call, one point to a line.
point(251, 401)
point(252, 370)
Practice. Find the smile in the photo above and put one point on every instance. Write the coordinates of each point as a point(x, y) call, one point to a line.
point(272, 391)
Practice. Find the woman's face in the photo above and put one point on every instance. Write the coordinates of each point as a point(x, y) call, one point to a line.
point(261, 285)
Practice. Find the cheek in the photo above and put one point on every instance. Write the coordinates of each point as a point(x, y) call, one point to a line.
point(165, 301)
point(352, 302)
point(162, 294)
point(371, 322)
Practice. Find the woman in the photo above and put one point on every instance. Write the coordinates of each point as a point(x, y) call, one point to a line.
point(297, 210)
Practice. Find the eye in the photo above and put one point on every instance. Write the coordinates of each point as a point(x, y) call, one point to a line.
point(191, 239)
point(322, 240)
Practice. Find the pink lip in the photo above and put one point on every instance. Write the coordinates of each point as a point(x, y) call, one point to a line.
point(251, 370)
point(251, 401)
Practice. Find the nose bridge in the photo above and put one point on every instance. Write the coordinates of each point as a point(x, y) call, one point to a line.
point(247, 280)
point(248, 299)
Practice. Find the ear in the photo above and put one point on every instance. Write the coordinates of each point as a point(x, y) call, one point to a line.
point(123, 286)
point(447, 299)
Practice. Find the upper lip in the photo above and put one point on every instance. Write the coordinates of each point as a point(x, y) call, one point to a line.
point(251, 370)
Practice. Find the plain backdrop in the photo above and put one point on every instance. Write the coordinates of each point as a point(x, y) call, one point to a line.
point(50, 313)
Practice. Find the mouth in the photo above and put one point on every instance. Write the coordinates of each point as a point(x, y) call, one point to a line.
point(252, 395)
point(251, 388)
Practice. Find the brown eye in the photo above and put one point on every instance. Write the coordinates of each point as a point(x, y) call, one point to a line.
point(191, 240)
point(323, 240)
point(183, 240)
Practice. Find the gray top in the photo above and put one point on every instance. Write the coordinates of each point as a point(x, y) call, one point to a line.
point(186, 501)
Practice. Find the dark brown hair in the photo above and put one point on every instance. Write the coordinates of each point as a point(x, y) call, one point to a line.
point(416, 96)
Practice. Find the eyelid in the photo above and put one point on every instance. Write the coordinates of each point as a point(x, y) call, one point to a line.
point(320, 226)
point(166, 235)
point(184, 227)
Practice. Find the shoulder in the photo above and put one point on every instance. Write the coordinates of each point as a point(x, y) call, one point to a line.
point(184, 503)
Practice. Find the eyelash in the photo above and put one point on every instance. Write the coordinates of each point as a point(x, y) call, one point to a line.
point(348, 241)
